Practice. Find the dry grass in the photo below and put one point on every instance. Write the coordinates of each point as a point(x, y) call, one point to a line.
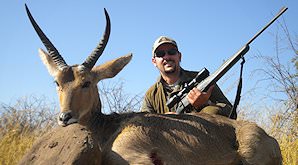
point(14, 144)
point(289, 149)
point(22, 123)
point(285, 129)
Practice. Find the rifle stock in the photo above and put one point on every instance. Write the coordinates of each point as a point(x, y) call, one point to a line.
point(213, 78)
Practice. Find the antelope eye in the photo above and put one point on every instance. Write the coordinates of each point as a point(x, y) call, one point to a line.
point(86, 84)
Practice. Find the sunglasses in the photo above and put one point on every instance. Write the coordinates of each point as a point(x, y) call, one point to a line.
point(162, 53)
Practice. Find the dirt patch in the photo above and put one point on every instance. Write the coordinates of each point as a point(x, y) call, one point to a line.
point(73, 144)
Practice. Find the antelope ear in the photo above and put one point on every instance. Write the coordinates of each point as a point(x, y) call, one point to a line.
point(111, 68)
point(48, 62)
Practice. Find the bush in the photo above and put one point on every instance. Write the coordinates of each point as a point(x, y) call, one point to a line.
point(285, 130)
point(21, 124)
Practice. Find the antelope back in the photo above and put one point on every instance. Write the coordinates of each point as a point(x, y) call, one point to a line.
point(77, 84)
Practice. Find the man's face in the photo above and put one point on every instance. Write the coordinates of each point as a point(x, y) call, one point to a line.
point(167, 59)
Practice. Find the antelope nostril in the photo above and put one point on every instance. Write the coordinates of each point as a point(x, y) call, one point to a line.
point(65, 116)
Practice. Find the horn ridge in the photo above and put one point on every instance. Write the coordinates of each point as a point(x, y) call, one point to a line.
point(93, 57)
point(53, 52)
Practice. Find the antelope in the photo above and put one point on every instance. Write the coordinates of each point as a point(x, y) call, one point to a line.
point(144, 138)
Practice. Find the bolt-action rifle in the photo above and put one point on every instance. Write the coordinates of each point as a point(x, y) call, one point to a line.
point(207, 81)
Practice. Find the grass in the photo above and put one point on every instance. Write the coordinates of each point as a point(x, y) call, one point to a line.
point(289, 149)
point(13, 146)
point(285, 130)
point(23, 123)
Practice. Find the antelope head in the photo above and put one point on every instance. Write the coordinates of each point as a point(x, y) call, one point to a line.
point(77, 85)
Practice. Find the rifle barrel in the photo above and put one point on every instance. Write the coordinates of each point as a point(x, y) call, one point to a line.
point(213, 78)
point(282, 10)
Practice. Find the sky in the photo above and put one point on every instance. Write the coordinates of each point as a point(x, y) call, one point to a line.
point(207, 32)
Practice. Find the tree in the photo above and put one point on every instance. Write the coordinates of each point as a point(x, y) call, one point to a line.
point(282, 78)
point(114, 98)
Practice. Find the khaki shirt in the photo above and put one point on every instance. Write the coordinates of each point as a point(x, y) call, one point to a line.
point(157, 95)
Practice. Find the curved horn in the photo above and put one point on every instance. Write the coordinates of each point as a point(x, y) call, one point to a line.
point(56, 57)
point(93, 57)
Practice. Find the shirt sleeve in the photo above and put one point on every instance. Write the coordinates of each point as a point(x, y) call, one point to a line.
point(146, 106)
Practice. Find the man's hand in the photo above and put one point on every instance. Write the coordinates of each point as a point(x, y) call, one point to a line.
point(198, 98)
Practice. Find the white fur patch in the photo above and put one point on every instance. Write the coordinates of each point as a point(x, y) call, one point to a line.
point(81, 68)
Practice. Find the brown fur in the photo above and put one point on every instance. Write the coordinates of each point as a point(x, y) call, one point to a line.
point(140, 138)
point(186, 139)
point(132, 138)
point(70, 145)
